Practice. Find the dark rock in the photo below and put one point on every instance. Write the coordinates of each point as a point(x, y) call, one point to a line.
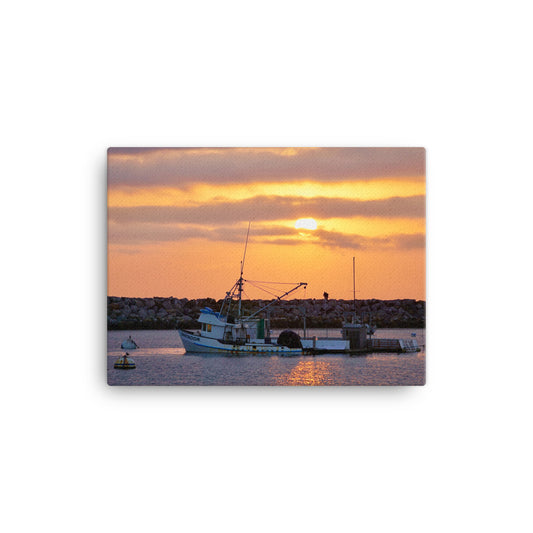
point(158, 312)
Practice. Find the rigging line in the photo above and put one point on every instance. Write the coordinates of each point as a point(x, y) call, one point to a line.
point(264, 290)
point(258, 284)
point(278, 298)
point(272, 282)
point(277, 295)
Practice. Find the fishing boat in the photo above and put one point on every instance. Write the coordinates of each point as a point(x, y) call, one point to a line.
point(229, 331)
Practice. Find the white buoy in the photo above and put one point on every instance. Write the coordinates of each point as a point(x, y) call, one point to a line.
point(125, 362)
point(129, 344)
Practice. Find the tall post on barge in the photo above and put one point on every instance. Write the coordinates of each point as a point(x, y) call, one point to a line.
point(353, 271)
point(354, 331)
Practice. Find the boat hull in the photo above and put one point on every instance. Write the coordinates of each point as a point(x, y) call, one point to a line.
point(198, 344)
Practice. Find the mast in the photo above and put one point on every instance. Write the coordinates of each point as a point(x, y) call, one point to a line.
point(237, 288)
point(242, 270)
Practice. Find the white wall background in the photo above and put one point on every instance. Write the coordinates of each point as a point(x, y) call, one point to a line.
point(454, 77)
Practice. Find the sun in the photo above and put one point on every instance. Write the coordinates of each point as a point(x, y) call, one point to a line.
point(306, 223)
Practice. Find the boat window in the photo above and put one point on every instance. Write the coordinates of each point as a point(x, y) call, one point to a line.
point(208, 327)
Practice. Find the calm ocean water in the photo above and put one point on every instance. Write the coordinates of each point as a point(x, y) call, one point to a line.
point(161, 360)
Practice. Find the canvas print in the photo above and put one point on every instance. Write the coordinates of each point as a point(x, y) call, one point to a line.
point(266, 266)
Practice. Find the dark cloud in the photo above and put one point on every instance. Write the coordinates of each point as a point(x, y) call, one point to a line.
point(410, 241)
point(396, 241)
point(138, 233)
point(150, 233)
point(268, 208)
point(182, 167)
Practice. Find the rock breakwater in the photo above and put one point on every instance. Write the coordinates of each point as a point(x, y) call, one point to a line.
point(172, 313)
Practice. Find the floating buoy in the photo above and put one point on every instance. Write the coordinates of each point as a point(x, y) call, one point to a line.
point(125, 362)
point(129, 344)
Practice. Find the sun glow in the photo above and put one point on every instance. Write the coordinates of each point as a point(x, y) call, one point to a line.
point(306, 223)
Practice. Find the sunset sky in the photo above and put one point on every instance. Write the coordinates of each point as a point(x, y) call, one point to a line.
point(178, 217)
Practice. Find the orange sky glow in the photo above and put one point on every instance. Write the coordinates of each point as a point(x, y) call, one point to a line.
point(177, 221)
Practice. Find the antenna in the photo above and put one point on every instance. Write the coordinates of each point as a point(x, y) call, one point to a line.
point(245, 246)
point(242, 268)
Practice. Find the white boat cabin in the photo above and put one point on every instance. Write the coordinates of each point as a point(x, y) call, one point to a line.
point(215, 326)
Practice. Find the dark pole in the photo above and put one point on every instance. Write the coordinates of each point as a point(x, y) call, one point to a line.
point(242, 269)
point(354, 290)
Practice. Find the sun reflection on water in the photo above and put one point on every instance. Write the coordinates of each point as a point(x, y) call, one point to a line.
point(308, 373)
